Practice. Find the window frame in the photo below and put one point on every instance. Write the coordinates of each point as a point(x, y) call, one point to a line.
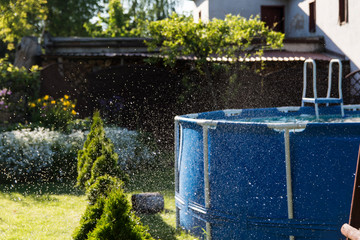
point(312, 16)
point(343, 12)
point(279, 7)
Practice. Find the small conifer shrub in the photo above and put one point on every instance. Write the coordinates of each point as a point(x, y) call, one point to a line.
point(108, 215)
point(97, 157)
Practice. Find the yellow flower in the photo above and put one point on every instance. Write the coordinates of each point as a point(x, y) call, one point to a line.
point(64, 109)
point(32, 105)
point(10, 46)
point(73, 105)
point(44, 104)
point(73, 112)
point(9, 69)
point(61, 99)
point(34, 68)
point(66, 103)
point(46, 97)
point(53, 102)
point(39, 100)
point(66, 96)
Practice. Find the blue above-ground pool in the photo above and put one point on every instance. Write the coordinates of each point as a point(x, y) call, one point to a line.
point(266, 173)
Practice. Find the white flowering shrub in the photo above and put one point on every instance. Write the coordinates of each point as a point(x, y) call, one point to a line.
point(37, 154)
point(133, 153)
point(43, 154)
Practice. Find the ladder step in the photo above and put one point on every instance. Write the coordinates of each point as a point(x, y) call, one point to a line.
point(322, 100)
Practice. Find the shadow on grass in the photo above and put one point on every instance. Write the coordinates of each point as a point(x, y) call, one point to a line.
point(157, 227)
point(41, 191)
point(152, 181)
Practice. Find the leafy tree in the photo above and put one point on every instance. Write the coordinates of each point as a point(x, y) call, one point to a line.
point(151, 10)
point(20, 18)
point(66, 18)
point(121, 23)
point(116, 24)
point(180, 35)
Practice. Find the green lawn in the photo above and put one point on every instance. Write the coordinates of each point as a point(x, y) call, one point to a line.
point(39, 211)
point(53, 210)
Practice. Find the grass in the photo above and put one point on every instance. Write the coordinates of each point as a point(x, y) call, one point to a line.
point(53, 210)
point(162, 225)
point(39, 211)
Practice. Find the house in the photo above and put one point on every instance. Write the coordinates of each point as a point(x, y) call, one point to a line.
point(336, 21)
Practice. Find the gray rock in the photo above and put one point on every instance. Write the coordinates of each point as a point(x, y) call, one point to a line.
point(149, 202)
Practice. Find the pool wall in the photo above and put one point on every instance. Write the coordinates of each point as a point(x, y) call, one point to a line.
point(253, 180)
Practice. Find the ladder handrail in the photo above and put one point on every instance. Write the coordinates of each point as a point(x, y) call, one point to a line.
point(305, 78)
point(315, 100)
point(339, 78)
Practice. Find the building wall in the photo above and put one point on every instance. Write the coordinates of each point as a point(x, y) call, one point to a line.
point(297, 19)
point(218, 9)
point(201, 8)
point(341, 39)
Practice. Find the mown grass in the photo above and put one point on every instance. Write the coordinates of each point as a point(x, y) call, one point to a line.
point(162, 225)
point(39, 211)
point(53, 210)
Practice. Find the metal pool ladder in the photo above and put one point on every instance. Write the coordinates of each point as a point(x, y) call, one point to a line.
point(316, 100)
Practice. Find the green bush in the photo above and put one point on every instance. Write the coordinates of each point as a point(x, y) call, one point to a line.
point(89, 219)
point(102, 187)
point(108, 215)
point(97, 157)
point(24, 85)
point(96, 194)
point(38, 154)
point(118, 222)
point(53, 113)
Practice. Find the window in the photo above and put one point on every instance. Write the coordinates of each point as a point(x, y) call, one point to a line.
point(343, 11)
point(312, 16)
point(274, 17)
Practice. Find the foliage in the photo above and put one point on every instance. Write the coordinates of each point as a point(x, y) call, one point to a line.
point(79, 124)
point(23, 84)
point(96, 195)
point(53, 113)
point(134, 153)
point(117, 221)
point(44, 154)
point(117, 23)
point(151, 10)
point(39, 154)
point(97, 157)
point(101, 188)
point(111, 108)
point(108, 215)
point(121, 23)
point(67, 18)
point(180, 35)
point(20, 18)
point(4, 99)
